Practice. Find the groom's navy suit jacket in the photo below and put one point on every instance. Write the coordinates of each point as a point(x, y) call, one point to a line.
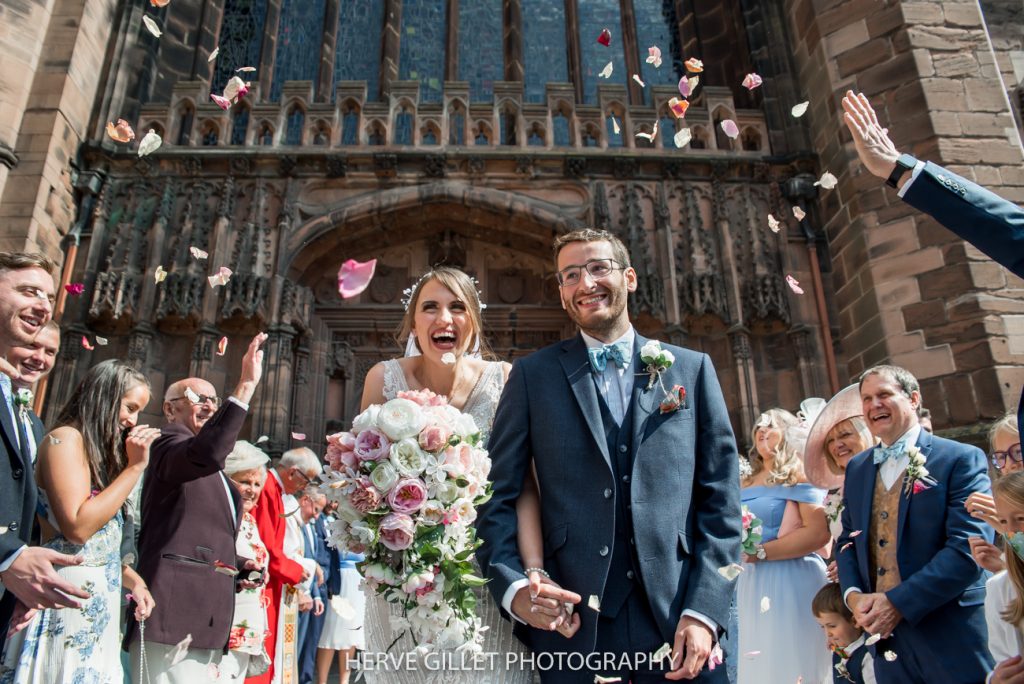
point(942, 589)
point(684, 487)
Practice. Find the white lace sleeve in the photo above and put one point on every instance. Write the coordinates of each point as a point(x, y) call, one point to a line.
point(394, 379)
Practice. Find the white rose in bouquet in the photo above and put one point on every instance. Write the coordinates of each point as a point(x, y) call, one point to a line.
point(446, 492)
point(400, 419)
point(432, 512)
point(407, 457)
point(361, 533)
point(384, 477)
point(367, 419)
point(465, 426)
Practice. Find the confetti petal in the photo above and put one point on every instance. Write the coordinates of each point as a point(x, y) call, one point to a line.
point(448, 358)
point(150, 143)
point(245, 70)
point(102, 341)
point(86, 345)
point(799, 213)
point(159, 3)
point(751, 654)
point(222, 102)
point(605, 38)
point(54, 440)
point(343, 608)
point(682, 138)
point(262, 439)
point(638, 80)
point(873, 639)
point(191, 395)
point(678, 107)
point(827, 181)
point(235, 89)
point(159, 275)
point(300, 436)
point(221, 277)
point(151, 26)
point(730, 571)
point(694, 65)
point(889, 655)
point(213, 55)
point(179, 651)
point(855, 533)
point(773, 223)
point(794, 284)
point(198, 253)
point(730, 128)
point(353, 277)
point(766, 604)
point(607, 71)
point(121, 131)
point(751, 81)
point(594, 603)
point(845, 546)
point(74, 289)
point(664, 652)
point(649, 136)
point(222, 346)
point(800, 109)
point(598, 679)
point(615, 126)
point(654, 56)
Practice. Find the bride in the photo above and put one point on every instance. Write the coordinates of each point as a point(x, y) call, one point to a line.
point(443, 324)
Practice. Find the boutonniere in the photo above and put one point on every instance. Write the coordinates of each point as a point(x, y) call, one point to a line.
point(23, 400)
point(658, 361)
point(841, 668)
point(916, 478)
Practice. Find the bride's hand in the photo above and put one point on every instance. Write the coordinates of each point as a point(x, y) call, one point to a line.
point(570, 623)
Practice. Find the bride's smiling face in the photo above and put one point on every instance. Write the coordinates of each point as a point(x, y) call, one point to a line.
point(442, 322)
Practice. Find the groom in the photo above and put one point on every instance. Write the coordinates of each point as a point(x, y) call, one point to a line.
point(640, 506)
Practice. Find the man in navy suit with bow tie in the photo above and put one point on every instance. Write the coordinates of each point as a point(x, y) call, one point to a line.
point(639, 486)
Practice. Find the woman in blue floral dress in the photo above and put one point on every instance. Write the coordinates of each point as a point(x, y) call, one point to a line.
point(86, 468)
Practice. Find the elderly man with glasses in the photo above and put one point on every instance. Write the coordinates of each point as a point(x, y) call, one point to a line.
point(190, 517)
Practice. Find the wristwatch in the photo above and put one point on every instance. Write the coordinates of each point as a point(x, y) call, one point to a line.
point(904, 163)
point(761, 553)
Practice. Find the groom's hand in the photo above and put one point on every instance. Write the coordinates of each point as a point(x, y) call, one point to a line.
point(542, 605)
point(691, 649)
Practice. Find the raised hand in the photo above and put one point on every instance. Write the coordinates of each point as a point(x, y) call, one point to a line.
point(140, 438)
point(252, 370)
point(874, 147)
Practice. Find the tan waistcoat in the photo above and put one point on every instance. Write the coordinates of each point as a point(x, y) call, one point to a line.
point(882, 542)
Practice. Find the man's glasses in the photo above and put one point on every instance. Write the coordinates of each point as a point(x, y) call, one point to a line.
point(201, 399)
point(307, 478)
point(597, 268)
point(999, 458)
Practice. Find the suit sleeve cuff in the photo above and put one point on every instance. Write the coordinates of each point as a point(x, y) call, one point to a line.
point(9, 561)
point(701, 617)
point(510, 593)
point(245, 407)
point(913, 176)
point(846, 595)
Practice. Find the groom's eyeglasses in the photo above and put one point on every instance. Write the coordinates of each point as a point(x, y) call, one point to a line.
point(1000, 458)
point(597, 268)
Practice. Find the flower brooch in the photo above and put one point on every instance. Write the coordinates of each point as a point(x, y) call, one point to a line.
point(659, 360)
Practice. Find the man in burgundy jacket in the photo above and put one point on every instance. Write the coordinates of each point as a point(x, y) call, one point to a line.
point(190, 514)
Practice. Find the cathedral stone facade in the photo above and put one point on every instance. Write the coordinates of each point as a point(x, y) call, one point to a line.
point(471, 133)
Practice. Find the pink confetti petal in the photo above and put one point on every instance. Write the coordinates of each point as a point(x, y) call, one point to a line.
point(751, 81)
point(222, 102)
point(605, 38)
point(855, 533)
point(684, 87)
point(751, 654)
point(799, 213)
point(74, 289)
point(773, 223)
point(300, 436)
point(638, 80)
point(121, 131)
point(654, 56)
point(86, 344)
point(846, 546)
point(235, 89)
point(129, 596)
point(353, 277)
point(694, 65)
point(222, 346)
point(794, 284)
point(730, 128)
point(221, 277)
point(198, 253)
point(678, 107)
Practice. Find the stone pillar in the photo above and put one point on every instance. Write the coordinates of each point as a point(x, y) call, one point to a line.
point(746, 411)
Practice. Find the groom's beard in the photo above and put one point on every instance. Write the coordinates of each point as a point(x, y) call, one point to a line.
point(599, 322)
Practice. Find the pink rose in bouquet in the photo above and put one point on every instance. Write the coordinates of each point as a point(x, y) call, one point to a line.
point(372, 445)
point(408, 495)
point(397, 531)
point(423, 397)
point(365, 497)
point(433, 437)
point(341, 451)
point(458, 460)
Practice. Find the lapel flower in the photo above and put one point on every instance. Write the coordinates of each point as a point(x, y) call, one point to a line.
point(916, 478)
point(658, 360)
point(23, 397)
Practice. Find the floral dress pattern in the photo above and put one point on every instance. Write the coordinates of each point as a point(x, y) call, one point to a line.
point(250, 624)
point(75, 646)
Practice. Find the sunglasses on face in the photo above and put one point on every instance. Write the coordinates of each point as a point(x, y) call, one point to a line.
point(1000, 458)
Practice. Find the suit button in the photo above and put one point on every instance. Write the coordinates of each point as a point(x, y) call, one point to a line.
point(625, 478)
point(629, 574)
point(607, 493)
point(882, 542)
point(884, 515)
point(13, 527)
point(881, 571)
point(623, 448)
point(17, 473)
point(603, 551)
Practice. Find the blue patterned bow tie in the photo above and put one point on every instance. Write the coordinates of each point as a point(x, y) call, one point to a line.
point(882, 454)
point(599, 356)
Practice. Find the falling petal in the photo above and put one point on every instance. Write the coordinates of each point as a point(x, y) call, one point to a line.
point(191, 395)
point(890, 656)
point(751, 81)
point(615, 126)
point(121, 131)
point(638, 80)
point(794, 284)
point(664, 652)
point(102, 341)
point(222, 102)
point(343, 608)
point(605, 38)
point(607, 71)
point(799, 213)
point(773, 223)
point(353, 277)
point(262, 439)
point(235, 89)
point(448, 358)
point(198, 253)
point(682, 138)
point(800, 109)
point(179, 651)
point(300, 436)
point(694, 65)
point(86, 345)
point(245, 70)
point(74, 289)
point(151, 26)
point(855, 533)
point(678, 107)
point(129, 596)
point(213, 55)
point(827, 181)
point(873, 639)
point(654, 56)
point(730, 128)
point(221, 277)
point(598, 679)
point(222, 346)
point(751, 654)
point(149, 143)
point(594, 603)
point(159, 3)
point(684, 87)
point(54, 440)
point(649, 136)
point(730, 571)
point(766, 604)
point(128, 559)
point(845, 546)
point(159, 275)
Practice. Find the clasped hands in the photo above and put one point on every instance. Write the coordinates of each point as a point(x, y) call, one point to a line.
point(874, 613)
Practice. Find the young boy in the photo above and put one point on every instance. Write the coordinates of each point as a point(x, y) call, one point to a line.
point(851, 660)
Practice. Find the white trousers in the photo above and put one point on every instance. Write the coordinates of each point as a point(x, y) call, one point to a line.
point(197, 665)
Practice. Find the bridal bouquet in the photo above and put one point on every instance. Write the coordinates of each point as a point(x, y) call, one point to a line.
point(408, 478)
point(752, 532)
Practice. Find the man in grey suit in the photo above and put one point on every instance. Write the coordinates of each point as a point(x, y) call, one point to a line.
point(638, 476)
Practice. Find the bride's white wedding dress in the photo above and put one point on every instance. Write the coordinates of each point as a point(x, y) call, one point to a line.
point(499, 642)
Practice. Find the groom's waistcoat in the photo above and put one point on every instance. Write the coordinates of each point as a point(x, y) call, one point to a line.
point(624, 570)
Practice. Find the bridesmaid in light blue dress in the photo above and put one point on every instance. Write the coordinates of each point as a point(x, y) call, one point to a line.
point(779, 639)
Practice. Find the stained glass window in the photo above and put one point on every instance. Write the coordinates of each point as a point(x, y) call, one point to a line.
point(241, 36)
point(239, 125)
point(403, 127)
point(357, 55)
point(299, 38)
point(536, 137)
point(429, 137)
point(376, 136)
point(210, 136)
point(481, 137)
point(594, 17)
point(590, 138)
point(266, 135)
point(422, 54)
point(296, 122)
point(560, 123)
point(350, 126)
point(544, 51)
point(656, 25)
point(481, 57)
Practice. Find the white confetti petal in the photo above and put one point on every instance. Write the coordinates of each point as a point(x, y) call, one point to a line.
point(800, 109)
point(766, 604)
point(664, 652)
point(615, 126)
point(649, 136)
point(262, 439)
point(799, 213)
point(150, 143)
point(682, 137)
point(607, 71)
point(637, 79)
point(102, 341)
point(191, 395)
point(213, 55)
point(827, 181)
point(448, 358)
point(890, 656)
point(159, 275)
point(730, 571)
point(151, 26)
point(873, 639)
point(343, 608)
point(773, 223)
point(594, 603)
point(198, 253)
point(598, 679)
